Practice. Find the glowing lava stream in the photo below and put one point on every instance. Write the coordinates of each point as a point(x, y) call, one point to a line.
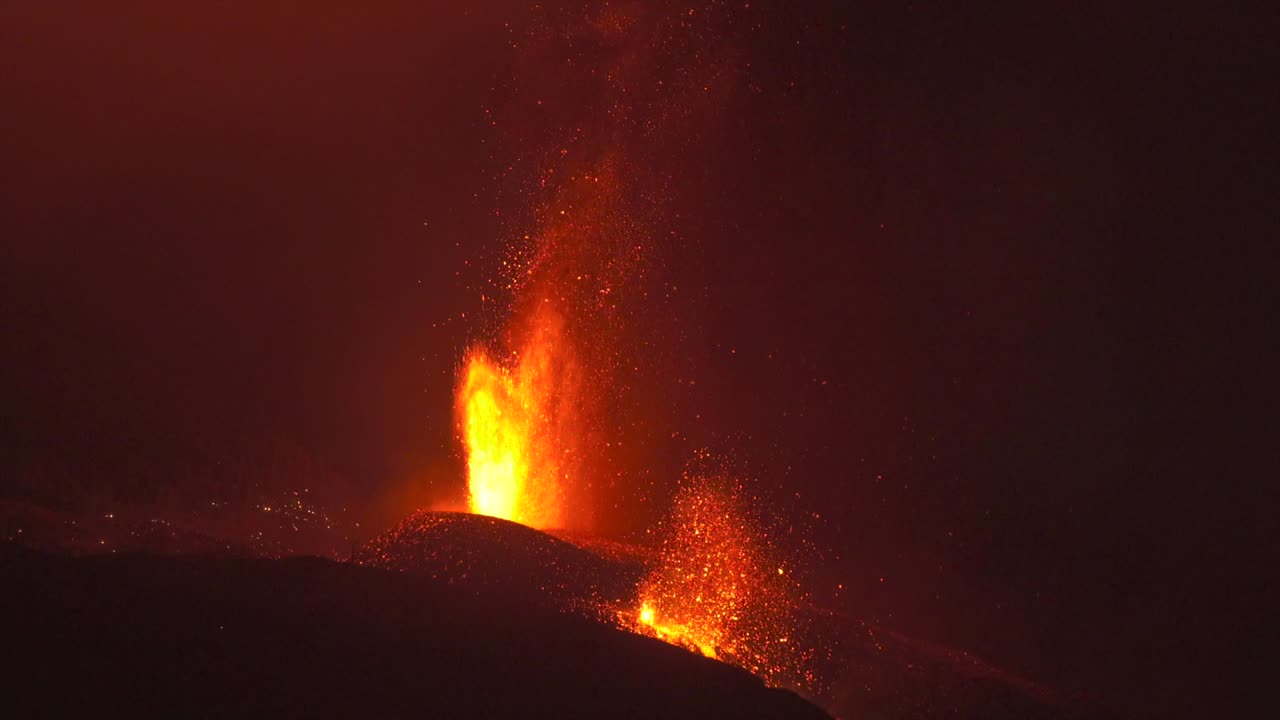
point(674, 634)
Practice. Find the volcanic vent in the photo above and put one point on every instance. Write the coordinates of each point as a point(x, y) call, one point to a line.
point(490, 554)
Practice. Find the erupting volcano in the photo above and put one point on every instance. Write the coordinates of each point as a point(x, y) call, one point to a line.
point(718, 586)
point(637, 358)
point(538, 405)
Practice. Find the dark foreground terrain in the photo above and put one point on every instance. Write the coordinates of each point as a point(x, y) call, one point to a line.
point(221, 636)
point(860, 670)
point(444, 614)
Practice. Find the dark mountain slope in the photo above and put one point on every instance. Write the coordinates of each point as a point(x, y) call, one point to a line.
point(220, 637)
point(492, 555)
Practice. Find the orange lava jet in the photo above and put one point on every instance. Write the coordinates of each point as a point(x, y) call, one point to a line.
point(717, 589)
point(530, 414)
point(518, 423)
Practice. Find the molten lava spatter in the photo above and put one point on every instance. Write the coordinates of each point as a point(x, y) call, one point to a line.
point(719, 591)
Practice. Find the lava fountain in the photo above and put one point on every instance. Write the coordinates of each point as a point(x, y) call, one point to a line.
point(518, 420)
point(530, 403)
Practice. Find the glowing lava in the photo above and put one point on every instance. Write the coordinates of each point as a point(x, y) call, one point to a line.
point(517, 422)
point(497, 437)
point(530, 403)
point(717, 591)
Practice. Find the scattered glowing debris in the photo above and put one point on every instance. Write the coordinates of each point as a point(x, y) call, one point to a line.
point(713, 591)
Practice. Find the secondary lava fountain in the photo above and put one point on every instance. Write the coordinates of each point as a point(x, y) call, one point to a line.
point(720, 590)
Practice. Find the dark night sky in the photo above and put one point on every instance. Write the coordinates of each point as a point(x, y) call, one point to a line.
point(976, 286)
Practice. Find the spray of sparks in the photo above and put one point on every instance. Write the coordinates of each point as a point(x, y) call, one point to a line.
point(719, 588)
